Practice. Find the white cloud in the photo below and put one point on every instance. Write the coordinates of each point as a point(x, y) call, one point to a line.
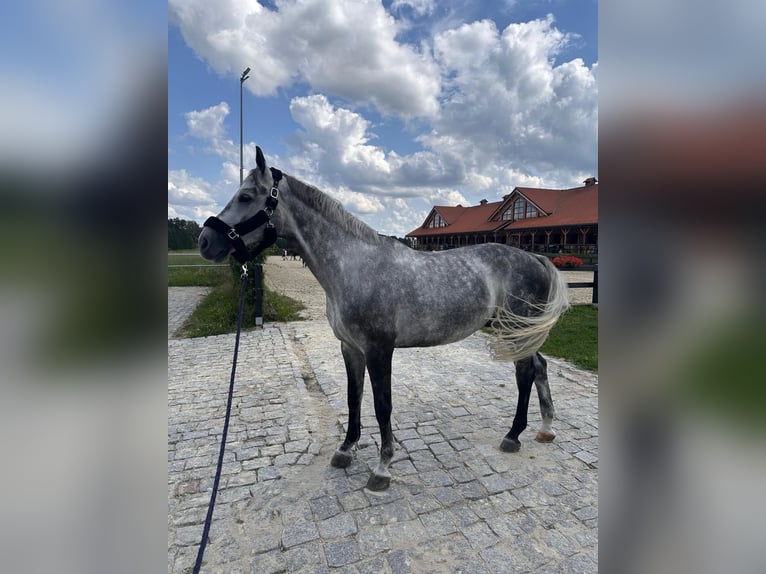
point(508, 105)
point(355, 202)
point(498, 107)
point(190, 197)
point(346, 49)
point(208, 123)
point(337, 142)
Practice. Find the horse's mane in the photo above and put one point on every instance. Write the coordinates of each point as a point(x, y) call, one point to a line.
point(332, 210)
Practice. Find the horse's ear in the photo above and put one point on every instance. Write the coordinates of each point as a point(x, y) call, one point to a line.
point(260, 161)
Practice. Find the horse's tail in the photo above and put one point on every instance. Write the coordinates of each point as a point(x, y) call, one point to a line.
point(519, 336)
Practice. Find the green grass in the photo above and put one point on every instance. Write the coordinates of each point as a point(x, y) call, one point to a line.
point(217, 312)
point(575, 337)
point(191, 277)
point(203, 275)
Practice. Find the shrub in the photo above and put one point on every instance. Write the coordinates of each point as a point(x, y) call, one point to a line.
point(567, 261)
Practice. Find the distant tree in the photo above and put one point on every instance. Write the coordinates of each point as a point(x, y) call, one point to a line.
point(182, 234)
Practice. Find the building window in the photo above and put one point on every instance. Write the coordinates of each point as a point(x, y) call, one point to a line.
point(436, 221)
point(518, 209)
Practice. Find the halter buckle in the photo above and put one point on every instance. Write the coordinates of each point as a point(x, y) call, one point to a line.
point(232, 234)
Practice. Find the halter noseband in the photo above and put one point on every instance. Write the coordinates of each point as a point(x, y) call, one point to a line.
point(263, 217)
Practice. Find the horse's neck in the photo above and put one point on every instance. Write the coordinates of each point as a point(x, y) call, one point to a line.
point(323, 239)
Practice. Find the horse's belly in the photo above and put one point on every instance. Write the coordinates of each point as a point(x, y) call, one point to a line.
point(430, 331)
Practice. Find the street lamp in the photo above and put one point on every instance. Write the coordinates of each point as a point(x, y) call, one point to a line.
point(242, 79)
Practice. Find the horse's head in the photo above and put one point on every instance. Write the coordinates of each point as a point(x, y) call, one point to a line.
point(246, 220)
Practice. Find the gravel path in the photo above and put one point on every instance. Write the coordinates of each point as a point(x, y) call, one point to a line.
point(291, 278)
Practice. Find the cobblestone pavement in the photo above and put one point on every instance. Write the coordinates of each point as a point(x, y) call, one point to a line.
point(456, 502)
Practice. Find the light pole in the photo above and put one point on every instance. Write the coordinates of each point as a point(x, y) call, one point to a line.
point(242, 79)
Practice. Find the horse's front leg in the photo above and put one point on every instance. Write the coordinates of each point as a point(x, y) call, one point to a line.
point(354, 360)
point(379, 367)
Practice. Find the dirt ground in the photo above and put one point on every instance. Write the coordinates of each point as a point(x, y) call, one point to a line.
point(291, 278)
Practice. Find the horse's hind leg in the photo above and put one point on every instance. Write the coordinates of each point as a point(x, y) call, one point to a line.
point(546, 433)
point(354, 360)
point(525, 374)
point(379, 367)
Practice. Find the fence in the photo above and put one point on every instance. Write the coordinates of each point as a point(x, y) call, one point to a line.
point(585, 284)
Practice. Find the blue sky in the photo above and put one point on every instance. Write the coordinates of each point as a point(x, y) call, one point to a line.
point(390, 107)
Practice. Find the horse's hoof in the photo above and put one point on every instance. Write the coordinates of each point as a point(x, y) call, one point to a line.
point(341, 459)
point(510, 445)
point(543, 436)
point(377, 483)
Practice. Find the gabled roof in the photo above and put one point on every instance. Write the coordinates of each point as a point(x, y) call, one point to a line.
point(461, 219)
point(574, 206)
point(450, 214)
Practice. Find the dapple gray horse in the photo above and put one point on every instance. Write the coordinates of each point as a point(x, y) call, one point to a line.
point(382, 295)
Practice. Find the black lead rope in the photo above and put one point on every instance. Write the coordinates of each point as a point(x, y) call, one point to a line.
point(209, 518)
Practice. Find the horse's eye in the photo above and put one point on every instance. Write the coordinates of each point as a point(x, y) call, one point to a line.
point(245, 198)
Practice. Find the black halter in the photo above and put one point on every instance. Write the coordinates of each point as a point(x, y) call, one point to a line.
point(263, 217)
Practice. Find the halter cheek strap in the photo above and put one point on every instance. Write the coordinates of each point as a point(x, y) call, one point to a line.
point(263, 217)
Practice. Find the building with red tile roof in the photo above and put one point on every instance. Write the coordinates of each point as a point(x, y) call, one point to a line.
point(553, 220)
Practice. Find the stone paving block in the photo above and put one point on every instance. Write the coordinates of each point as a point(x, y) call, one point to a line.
point(373, 540)
point(586, 513)
point(461, 474)
point(298, 533)
point(396, 511)
point(495, 483)
point(403, 468)
point(414, 444)
point(372, 566)
point(405, 533)
point(463, 516)
point(353, 501)
point(480, 535)
point(502, 560)
point(268, 473)
point(532, 550)
point(423, 502)
point(297, 446)
point(342, 552)
point(437, 477)
point(286, 459)
point(460, 444)
point(506, 526)
point(268, 562)
point(438, 523)
point(337, 526)
point(558, 542)
point(448, 495)
point(305, 557)
point(325, 506)
point(399, 562)
point(471, 490)
point(532, 496)
point(370, 516)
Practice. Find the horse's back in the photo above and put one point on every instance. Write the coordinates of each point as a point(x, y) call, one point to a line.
point(412, 298)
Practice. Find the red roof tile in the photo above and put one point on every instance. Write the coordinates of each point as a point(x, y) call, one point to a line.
point(575, 206)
